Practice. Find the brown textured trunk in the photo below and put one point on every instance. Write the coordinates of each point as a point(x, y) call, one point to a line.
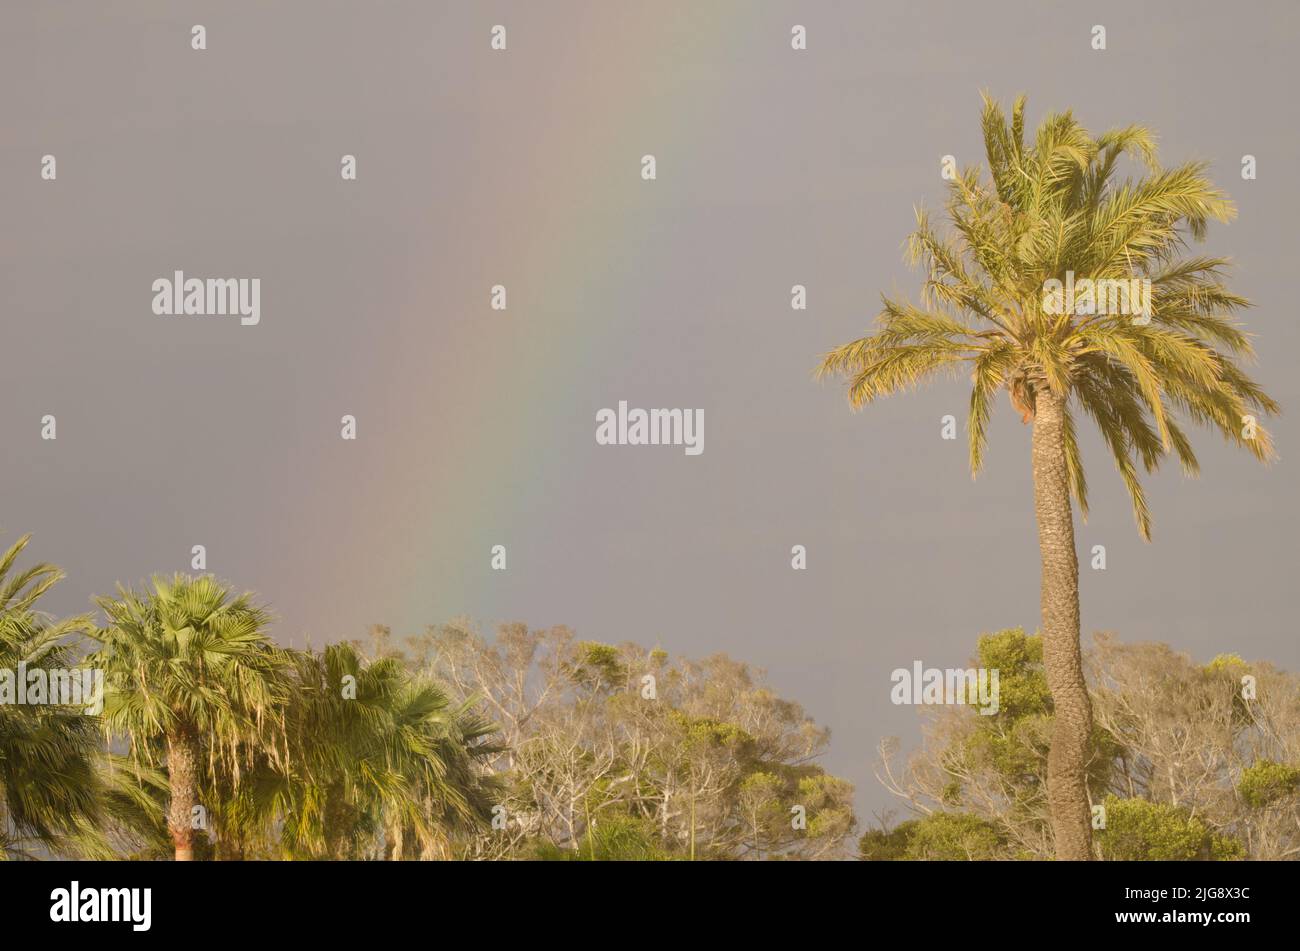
point(182, 773)
point(1067, 790)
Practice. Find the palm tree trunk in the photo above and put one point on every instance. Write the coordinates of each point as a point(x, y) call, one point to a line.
point(1067, 791)
point(337, 832)
point(182, 773)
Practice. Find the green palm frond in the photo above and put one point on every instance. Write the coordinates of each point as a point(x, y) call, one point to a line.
point(1054, 207)
point(51, 788)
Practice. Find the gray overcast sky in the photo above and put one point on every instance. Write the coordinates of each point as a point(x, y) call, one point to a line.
point(476, 427)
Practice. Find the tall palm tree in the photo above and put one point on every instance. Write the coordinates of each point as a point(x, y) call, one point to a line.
point(193, 683)
point(49, 778)
point(996, 301)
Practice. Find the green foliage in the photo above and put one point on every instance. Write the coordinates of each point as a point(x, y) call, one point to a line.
point(1013, 743)
point(1225, 672)
point(50, 785)
point(1265, 782)
point(941, 836)
point(886, 845)
point(596, 666)
point(827, 800)
point(1230, 663)
point(614, 838)
point(1140, 830)
point(1022, 685)
point(711, 733)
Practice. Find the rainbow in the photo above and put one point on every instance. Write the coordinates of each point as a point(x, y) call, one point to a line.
point(562, 238)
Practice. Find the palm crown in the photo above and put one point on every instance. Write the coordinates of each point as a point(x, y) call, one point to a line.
point(1045, 209)
point(188, 657)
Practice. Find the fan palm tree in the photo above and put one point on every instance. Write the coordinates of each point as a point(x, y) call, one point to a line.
point(49, 753)
point(440, 748)
point(378, 756)
point(1140, 358)
point(326, 793)
point(192, 682)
